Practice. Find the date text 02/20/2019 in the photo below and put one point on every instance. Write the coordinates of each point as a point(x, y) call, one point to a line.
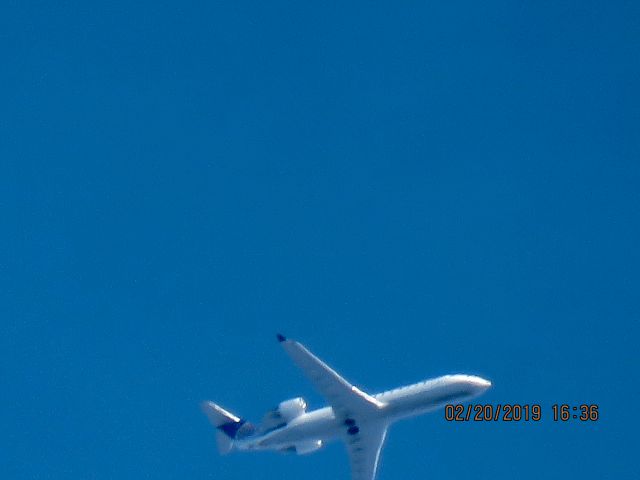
point(515, 412)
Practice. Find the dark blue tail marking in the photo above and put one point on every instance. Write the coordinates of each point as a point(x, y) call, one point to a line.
point(231, 428)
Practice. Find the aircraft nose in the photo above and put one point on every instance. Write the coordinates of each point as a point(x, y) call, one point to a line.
point(482, 383)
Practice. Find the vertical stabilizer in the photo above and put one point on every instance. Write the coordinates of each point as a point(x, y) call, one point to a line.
point(226, 423)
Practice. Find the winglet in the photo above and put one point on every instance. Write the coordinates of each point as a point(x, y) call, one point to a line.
point(281, 338)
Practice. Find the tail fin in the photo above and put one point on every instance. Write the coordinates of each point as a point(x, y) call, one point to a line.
point(226, 423)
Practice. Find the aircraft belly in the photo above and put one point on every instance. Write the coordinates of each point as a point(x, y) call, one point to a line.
point(409, 405)
point(321, 429)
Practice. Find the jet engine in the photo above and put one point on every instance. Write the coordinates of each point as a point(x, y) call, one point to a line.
point(302, 448)
point(291, 409)
point(284, 413)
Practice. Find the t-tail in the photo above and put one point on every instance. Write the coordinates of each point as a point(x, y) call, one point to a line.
point(228, 427)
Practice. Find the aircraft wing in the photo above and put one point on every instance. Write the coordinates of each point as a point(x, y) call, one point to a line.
point(364, 450)
point(346, 400)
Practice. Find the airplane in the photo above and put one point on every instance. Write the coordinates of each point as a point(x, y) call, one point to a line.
point(353, 416)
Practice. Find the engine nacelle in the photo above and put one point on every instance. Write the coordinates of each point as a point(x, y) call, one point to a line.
point(290, 409)
point(302, 448)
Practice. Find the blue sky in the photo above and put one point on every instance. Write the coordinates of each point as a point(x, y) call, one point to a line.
point(410, 190)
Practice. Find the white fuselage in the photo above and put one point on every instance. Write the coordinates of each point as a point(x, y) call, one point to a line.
point(409, 401)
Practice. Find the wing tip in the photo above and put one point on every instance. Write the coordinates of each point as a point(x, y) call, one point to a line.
point(281, 338)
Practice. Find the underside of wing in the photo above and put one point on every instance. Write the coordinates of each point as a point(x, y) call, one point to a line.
point(345, 399)
point(364, 450)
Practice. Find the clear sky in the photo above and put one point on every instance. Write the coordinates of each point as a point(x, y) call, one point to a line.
point(410, 189)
